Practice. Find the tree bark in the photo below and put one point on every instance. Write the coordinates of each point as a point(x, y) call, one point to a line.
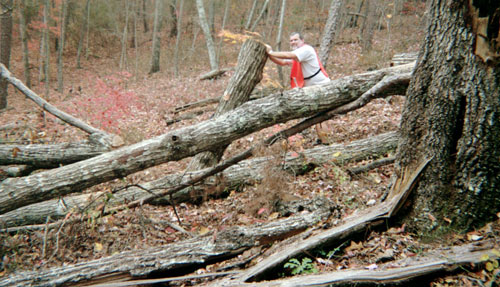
point(245, 172)
point(155, 55)
point(24, 42)
point(63, 19)
point(5, 45)
point(330, 31)
point(452, 115)
point(48, 156)
point(251, 61)
point(208, 35)
point(188, 141)
point(180, 257)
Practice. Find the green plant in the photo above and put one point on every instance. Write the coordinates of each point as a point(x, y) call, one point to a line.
point(297, 267)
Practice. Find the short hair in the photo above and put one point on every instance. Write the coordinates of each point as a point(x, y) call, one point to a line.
point(297, 33)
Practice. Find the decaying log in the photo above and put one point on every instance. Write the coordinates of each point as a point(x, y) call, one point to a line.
point(49, 156)
point(98, 135)
point(372, 165)
point(180, 257)
point(403, 58)
point(175, 145)
point(15, 170)
point(446, 259)
point(245, 172)
point(251, 61)
point(354, 223)
point(214, 74)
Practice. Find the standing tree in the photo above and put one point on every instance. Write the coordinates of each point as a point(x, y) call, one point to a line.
point(208, 36)
point(368, 25)
point(278, 38)
point(452, 116)
point(63, 17)
point(330, 31)
point(155, 57)
point(250, 15)
point(178, 38)
point(123, 54)
point(83, 26)
point(24, 42)
point(5, 44)
point(46, 48)
point(261, 14)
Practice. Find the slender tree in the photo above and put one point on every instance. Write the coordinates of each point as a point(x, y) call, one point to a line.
point(278, 39)
point(452, 118)
point(63, 17)
point(155, 56)
point(330, 31)
point(24, 42)
point(123, 54)
point(46, 47)
point(5, 45)
point(224, 21)
point(261, 14)
point(144, 16)
point(368, 25)
point(178, 38)
point(250, 15)
point(83, 26)
point(208, 36)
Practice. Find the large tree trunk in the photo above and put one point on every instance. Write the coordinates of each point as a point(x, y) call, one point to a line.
point(188, 141)
point(245, 172)
point(181, 257)
point(452, 116)
point(5, 44)
point(251, 61)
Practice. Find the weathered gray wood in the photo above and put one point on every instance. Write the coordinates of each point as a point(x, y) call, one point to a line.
point(245, 172)
point(251, 61)
point(48, 156)
point(174, 257)
point(214, 74)
point(249, 117)
point(403, 58)
point(446, 259)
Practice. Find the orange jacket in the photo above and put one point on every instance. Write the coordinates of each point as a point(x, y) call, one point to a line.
point(296, 76)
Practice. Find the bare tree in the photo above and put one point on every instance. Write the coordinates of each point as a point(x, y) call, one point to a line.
point(208, 35)
point(330, 31)
point(178, 38)
point(63, 17)
point(24, 42)
point(144, 13)
point(368, 25)
point(250, 15)
point(123, 55)
point(82, 34)
point(261, 14)
point(46, 47)
point(278, 39)
point(5, 45)
point(155, 56)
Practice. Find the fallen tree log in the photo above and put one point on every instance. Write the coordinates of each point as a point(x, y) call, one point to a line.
point(245, 172)
point(180, 257)
point(447, 259)
point(98, 135)
point(49, 156)
point(187, 141)
point(214, 74)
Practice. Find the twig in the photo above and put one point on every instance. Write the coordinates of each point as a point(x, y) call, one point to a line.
point(45, 236)
point(57, 234)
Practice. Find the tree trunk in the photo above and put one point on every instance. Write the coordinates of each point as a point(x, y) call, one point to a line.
point(368, 25)
point(245, 172)
point(208, 35)
point(251, 61)
point(5, 45)
point(178, 38)
point(223, 26)
point(155, 55)
point(261, 14)
point(123, 55)
point(278, 40)
point(24, 42)
point(452, 116)
point(82, 35)
point(63, 19)
point(173, 15)
point(250, 14)
point(46, 47)
point(330, 31)
point(173, 258)
point(144, 18)
point(188, 141)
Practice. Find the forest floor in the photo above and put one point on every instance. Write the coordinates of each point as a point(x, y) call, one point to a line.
point(137, 106)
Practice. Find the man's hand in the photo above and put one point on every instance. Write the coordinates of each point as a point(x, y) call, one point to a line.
point(269, 49)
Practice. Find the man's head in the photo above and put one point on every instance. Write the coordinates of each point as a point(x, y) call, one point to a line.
point(296, 40)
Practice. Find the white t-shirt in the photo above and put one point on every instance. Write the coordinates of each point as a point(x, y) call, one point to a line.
point(310, 65)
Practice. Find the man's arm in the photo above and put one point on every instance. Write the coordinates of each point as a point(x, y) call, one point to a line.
point(280, 58)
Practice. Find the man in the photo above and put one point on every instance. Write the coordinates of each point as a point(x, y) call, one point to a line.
point(306, 67)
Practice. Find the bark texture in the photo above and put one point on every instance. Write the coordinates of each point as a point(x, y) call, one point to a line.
point(452, 115)
point(188, 141)
point(245, 172)
point(5, 44)
point(182, 256)
point(251, 61)
point(330, 31)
